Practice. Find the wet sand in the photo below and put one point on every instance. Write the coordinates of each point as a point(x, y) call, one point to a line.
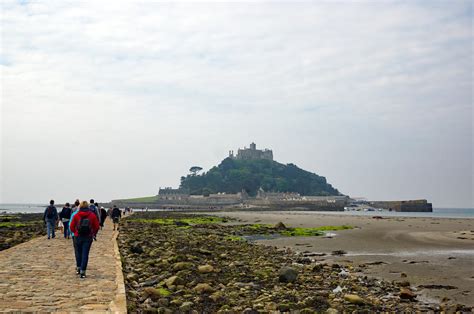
point(429, 251)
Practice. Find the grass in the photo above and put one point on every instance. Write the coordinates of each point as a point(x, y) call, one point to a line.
point(146, 199)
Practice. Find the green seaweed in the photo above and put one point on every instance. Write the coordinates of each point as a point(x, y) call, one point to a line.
point(234, 238)
point(164, 292)
point(18, 224)
point(259, 226)
point(309, 232)
point(191, 221)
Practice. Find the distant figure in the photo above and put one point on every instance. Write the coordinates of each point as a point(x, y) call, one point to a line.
point(65, 216)
point(103, 217)
point(116, 215)
point(50, 217)
point(85, 225)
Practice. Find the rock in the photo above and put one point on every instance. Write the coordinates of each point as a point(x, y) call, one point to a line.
point(205, 252)
point(216, 296)
point(163, 302)
point(280, 226)
point(317, 267)
point(249, 311)
point(132, 277)
point(403, 275)
point(204, 269)
point(180, 223)
point(150, 282)
point(152, 293)
point(407, 294)
point(287, 274)
point(271, 306)
point(332, 311)
point(404, 283)
point(284, 307)
point(186, 306)
point(136, 248)
point(174, 281)
point(338, 252)
point(182, 265)
point(354, 299)
point(203, 288)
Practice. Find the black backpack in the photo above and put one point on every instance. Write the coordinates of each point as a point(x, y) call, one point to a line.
point(49, 213)
point(84, 227)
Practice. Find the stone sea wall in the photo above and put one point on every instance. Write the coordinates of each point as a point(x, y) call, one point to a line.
point(405, 206)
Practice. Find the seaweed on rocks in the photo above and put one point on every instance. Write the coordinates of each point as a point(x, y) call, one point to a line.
point(19, 228)
point(205, 267)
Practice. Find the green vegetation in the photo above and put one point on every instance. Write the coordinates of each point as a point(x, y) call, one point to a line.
point(163, 292)
point(18, 224)
point(190, 221)
point(234, 238)
point(233, 176)
point(146, 199)
point(309, 232)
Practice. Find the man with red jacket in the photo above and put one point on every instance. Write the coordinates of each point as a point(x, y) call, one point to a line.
point(85, 225)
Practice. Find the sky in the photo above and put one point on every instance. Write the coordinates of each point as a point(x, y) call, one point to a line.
point(109, 100)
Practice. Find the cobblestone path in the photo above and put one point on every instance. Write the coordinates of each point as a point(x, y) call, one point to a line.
point(39, 275)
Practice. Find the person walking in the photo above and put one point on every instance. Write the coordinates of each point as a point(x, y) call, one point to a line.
point(116, 215)
point(75, 207)
point(103, 217)
point(65, 216)
point(85, 225)
point(50, 217)
point(94, 209)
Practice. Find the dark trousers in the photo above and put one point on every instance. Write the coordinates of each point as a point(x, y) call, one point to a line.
point(83, 247)
point(75, 248)
point(66, 229)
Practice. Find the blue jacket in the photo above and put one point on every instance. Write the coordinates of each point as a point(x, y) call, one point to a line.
point(54, 213)
point(95, 210)
point(72, 215)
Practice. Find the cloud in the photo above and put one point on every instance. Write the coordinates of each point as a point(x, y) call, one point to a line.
point(155, 87)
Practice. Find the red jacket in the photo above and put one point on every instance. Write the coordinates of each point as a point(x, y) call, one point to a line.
point(94, 222)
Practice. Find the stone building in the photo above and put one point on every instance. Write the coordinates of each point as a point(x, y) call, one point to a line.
point(172, 194)
point(252, 153)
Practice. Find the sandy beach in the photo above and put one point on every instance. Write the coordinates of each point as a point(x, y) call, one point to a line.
point(436, 255)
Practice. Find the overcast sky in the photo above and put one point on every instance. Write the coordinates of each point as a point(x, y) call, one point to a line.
point(115, 99)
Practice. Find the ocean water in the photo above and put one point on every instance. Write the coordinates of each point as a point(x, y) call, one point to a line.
point(437, 212)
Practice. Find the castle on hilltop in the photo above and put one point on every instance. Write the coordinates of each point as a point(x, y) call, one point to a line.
point(252, 153)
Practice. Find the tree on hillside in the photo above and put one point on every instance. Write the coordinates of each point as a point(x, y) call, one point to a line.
point(194, 170)
point(231, 176)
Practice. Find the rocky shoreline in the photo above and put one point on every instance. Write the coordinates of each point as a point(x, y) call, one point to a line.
point(177, 262)
point(19, 228)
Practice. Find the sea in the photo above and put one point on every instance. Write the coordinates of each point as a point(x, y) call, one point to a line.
point(437, 212)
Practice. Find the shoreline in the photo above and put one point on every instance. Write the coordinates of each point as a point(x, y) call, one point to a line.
point(431, 252)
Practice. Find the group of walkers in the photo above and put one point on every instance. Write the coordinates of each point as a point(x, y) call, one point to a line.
point(82, 222)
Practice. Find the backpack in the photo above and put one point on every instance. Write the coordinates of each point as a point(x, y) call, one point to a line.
point(49, 213)
point(84, 228)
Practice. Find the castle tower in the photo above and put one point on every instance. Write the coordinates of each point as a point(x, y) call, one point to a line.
point(253, 146)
